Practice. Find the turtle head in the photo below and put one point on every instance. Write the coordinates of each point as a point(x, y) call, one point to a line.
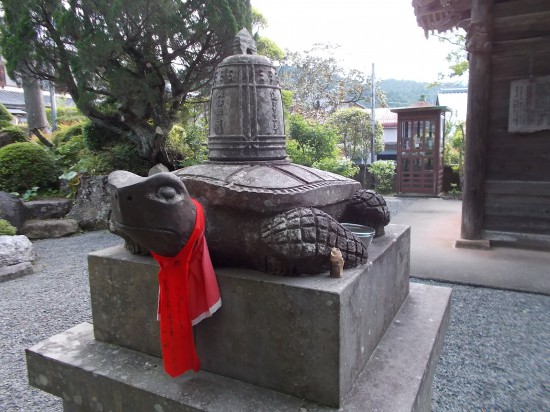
point(156, 212)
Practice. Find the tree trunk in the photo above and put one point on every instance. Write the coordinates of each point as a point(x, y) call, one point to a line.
point(34, 105)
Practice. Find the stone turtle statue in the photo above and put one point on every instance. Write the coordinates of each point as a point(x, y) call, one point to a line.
point(276, 217)
point(262, 211)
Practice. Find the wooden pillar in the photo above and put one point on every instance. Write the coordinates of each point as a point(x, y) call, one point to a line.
point(479, 44)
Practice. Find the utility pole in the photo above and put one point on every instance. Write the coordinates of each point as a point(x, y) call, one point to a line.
point(373, 118)
point(53, 106)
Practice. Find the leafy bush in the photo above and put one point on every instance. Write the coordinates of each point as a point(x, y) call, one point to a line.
point(13, 134)
point(5, 123)
point(310, 141)
point(4, 114)
point(6, 228)
point(71, 152)
point(124, 156)
point(25, 165)
point(98, 137)
point(342, 166)
point(64, 133)
point(66, 115)
point(189, 143)
point(384, 173)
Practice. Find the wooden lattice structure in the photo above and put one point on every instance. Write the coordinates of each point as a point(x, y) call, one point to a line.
point(420, 143)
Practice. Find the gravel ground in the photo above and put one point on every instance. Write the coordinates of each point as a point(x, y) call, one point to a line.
point(495, 357)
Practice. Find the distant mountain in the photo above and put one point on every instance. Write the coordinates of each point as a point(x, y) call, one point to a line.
point(401, 93)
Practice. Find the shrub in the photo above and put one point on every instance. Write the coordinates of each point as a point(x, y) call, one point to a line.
point(13, 134)
point(98, 137)
point(4, 124)
point(4, 114)
point(384, 173)
point(64, 133)
point(309, 141)
point(342, 166)
point(124, 156)
point(187, 146)
point(66, 115)
point(25, 165)
point(6, 228)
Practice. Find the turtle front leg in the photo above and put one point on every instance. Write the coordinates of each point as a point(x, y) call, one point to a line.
point(368, 208)
point(299, 241)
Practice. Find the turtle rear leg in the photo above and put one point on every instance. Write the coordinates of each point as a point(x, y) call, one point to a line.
point(368, 208)
point(300, 240)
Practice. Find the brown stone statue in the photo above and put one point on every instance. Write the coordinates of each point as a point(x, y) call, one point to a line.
point(262, 211)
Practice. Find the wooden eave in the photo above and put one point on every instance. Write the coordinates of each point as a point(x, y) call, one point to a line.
point(442, 15)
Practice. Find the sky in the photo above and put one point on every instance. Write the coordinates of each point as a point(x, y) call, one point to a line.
point(383, 32)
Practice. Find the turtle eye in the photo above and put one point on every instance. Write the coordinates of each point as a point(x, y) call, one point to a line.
point(168, 194)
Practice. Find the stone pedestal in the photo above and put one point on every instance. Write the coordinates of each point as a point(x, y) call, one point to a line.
point(280, 343)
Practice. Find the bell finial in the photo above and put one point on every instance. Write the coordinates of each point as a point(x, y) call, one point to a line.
point(244, 43)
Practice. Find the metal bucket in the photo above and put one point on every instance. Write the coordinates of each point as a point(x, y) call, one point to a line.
point(364, 233)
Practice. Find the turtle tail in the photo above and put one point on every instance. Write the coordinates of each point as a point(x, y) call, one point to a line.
point(299, 241)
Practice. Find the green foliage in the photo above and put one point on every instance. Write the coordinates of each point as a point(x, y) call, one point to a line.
point(98, 137)
point(341, 166)
point(454, 145)
point(129, 65)
point(455, 191)
point(124, 156)
point(75, 157)
point(6, 229)
point(354, 125)
point(190, 135)
point(30, 194)
point(287, 100)
point(266, 47)
point(4, 114)
point(70, 152)
point(309, 141)
point(384, 173)
point(65, 132)
point(13, 134)
point(314, 144)
point(458, 56)
point(270, 49)
point(25, 165)
point(65, 115)
point(192, 146)
point(4, 124)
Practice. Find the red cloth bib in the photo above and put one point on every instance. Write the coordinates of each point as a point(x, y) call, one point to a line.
point(188, 293)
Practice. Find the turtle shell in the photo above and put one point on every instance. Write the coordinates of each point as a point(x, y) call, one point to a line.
point(266, 187)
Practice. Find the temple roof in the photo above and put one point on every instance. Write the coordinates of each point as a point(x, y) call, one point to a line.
point(442, 15)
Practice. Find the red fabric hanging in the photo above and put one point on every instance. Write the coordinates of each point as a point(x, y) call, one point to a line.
point(188, 293)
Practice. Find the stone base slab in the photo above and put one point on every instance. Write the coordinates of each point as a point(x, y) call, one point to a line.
point(482, 244)
point(90, 375)
point(305, 336)
point(15, 271)
point(49, 228)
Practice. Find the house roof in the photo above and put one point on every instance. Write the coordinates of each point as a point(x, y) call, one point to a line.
point(16, 99)
point(17, 112)
point(442, 15)
point(386, 117)
point(420, 106)
point(11, 98)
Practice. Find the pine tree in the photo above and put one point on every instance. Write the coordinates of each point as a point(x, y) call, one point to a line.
point(128, 65)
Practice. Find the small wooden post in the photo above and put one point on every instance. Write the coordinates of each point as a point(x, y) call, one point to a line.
point(479, 45)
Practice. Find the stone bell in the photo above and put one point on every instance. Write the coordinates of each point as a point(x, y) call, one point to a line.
point(246, 110)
